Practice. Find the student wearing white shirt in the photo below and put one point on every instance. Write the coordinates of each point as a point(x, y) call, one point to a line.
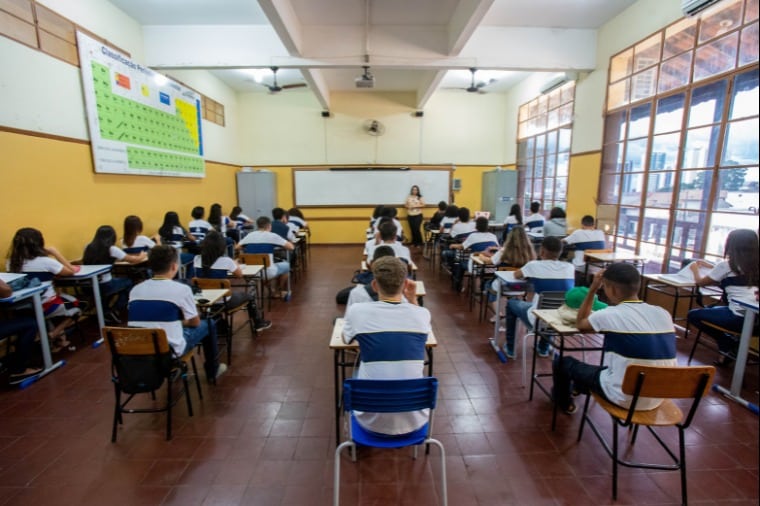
point(534, 222)
point(133, 240)
point(587, 237)
point(388, 235)
point(263, 240)
point(198, 226)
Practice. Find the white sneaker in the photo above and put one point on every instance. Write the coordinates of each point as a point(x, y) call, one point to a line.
point(221, 369)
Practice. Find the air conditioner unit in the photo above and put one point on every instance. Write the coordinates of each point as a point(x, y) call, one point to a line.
point(693, 7)
point(558, 81)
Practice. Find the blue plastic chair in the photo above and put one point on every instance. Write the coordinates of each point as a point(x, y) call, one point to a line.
point(389, 396)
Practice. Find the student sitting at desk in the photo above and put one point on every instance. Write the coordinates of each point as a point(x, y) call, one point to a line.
point(263, 240)
point(296, 218)
point(185, 333)
point(557, 224)
point(546, 274)
point(391, 336)
point(449, 218)
point(174, 234)
point(198, 226)
point(101, 251)
point(388, 235)
point(586, 237)
point(478, 241)
point(133, 241)
point(213, 258)
point(463, 226)
point(364, 292)
point(634, 333)
point(29, 254)
point(435, 220)
point(25, 330)
point(280, 224)
point(515, 218)
point(535, 220)
point(390, 213)
point(242, 222)
point(738, 276)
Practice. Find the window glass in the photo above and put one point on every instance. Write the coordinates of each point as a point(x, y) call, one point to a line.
point(563, 161)
point(560, 190)
point(635, 155)
point(609, 188)
point(737, 192)
point(688, 231)
point(675, 72)
point(522, 150)
point(552, 119)
point(643, 84)
point(741, 143)
point(639, 123)
point(647, 53)
point(621, 65)
point(750, 11)
point(548, 190)
point(568, 93)
point(540, 144)
point(554, 99)
point(612, 158)
point(664, 152)
point(618, 94)
point(566, 114)
point(614, 126)
point(550, 163)
point(564, 139)
point(679, 37)
point(707, 104)
point(745, 97)
point(721, 18)
point(700, 148)
point(655, 226)
point(694, 189)
point(538, 189)
point(631, 188)
point(669, 114)
point(551, 141)
point(660, 189)
point(748, 49)
point(538, 167)
point(720, 226)
point(716, 57)
point(628, 224)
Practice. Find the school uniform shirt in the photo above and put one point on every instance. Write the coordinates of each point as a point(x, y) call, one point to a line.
point(391, 339)
point(199, 229)
point(299, 222)
point(534, 223)
point(548, 275)
point(733, 284)
point(635, 333)
point(556, 227)
point(141, 241)
point(584, 239)
point(460, 228)
point(117, 254)
point(264, 237)
point(222, 263)
point(447, 220)
point(399, 250)
point(178, 294)
point(177, 232)
point(283, 230)
point(480, 238)
point(44, 264)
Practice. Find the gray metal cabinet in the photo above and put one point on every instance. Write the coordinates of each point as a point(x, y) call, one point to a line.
point(257, 193)
point(499, 192)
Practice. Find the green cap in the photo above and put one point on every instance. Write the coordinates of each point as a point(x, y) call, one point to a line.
point(575, 296)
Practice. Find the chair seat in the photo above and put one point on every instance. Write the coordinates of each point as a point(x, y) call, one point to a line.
point(367, 438)
point(666, 414)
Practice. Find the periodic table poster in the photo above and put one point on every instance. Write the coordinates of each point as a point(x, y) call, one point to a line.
point(140, 122)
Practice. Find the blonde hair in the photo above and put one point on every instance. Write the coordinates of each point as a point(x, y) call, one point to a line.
point(390, 274)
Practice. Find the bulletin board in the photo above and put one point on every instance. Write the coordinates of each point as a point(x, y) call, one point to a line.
point(140, 122)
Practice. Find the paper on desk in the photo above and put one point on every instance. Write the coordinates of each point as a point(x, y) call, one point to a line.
point(686, 275)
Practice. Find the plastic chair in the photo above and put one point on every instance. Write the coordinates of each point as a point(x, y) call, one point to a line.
point(141, 361)
point(657, 382)
point(389, 396)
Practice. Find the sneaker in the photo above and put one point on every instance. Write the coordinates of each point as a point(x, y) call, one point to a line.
point(543, 351)
point(263, 325)
point(221, 369)
point(509, 353)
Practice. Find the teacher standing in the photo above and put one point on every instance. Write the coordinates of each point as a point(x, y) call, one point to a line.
point(414, 205)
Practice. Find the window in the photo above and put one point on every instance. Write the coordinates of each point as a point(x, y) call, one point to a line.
point(680, 148)
point(212, 110)
point(543, 147)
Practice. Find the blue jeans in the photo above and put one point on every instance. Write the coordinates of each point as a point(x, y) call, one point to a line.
point(116, 286)
point(517, 308)
point(204, 334)
point(718, 315)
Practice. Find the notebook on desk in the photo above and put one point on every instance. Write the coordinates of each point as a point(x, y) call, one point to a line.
point(685, 275)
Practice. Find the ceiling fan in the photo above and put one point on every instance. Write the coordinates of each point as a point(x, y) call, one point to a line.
point(276, 88)
point(477, 87)
point(373, 127)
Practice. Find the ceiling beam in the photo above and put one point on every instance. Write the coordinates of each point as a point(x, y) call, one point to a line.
point(318, 85)
point(427, 88)
point(283, 19)
point(464, 21)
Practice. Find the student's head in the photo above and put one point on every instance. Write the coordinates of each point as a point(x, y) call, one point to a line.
point(278, 214)
point(390, 275)
point(162, 259)
point(213, 246)
point(621, 282)
point(133, 227)
point(516, 212)
point(215, 215)
point(535, 207)
point(415, 190)
point(377, 212)
point(105, 234)
point(171, 218)
point(741, 251)
point(588, 221)
point(197, 212)
point(235, 212)
point(518, 249)
point(263, 223)
point(387, 212)
point(556, 212)
point(551, 248)
point(464, 214)
point(442, 205)
point(387, 230)
point(294, 211)
point(98, 251)
point(481, 224)
point(452, 211)
point(27, 244)
point(383, 251)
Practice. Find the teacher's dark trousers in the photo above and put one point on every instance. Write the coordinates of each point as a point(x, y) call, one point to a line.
point(415, 223)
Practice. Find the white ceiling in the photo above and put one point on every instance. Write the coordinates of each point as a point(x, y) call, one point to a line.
point(415, 46)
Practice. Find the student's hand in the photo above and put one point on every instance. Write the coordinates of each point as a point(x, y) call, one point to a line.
point(596, 283)
point(410, 290)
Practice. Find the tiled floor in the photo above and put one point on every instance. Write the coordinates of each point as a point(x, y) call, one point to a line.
point(265, 434)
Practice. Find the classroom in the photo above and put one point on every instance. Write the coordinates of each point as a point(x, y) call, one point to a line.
point(642, 114)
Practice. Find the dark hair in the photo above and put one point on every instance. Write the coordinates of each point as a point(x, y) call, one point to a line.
point(387, 211)
point(383, 251)
point(464, 214)
point(171, 220)
point(516, 212)
point(419, 192)
point(452, 211)
point(161, 258)
point(213, 246)
point(535, 207)
point(235, 212)
point(294, 211)
point(263, 222)
point(377, 212)
point(742, 253)
point(442, 205)
point(588, 221)
point(481, 224)
point(215, 216)
point(98, 251)
point(278, 213)
point(197, 212)
point(387, 230)
point(625, 276)
point(27, 244)
point(557, 212)
point(552, 245)
point(132, 227)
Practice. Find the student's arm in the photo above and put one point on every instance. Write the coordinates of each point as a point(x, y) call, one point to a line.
point(585, 310)
point(238, 273)
point(700, 280)
point(518, 274)
point(288, 246)
point(136, 259)
point(192, 322)
point(5, 290)
point(68, 268)
point(410, 291)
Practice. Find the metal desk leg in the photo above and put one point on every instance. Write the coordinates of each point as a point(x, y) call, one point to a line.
point(336, 362)
point(47, 360)
point(98, 311)
point(741, 355)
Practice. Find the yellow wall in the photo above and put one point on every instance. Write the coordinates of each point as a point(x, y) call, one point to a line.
point(50, 184)
point(582, 186)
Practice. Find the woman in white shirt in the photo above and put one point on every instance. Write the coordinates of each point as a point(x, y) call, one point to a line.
point(414, 205)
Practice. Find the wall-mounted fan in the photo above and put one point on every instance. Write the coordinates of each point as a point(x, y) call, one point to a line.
point(373, 127)
point(276, 88)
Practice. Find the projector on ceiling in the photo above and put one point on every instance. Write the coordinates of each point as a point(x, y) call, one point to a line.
point(365, 81)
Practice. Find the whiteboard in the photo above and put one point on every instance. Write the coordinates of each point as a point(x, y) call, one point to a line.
point(369, 187)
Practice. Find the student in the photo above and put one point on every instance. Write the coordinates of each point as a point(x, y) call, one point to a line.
point(183, 334)
point(514, 218)
point(213, 258)
point(174, 234)
point(557, 224)
point(390, 213)
point(280, 224)
point(463, 226)
point(217, 219)
point(435, 220)
point(388, 235)
point(295, 217)
point(449, 218)
point(263, 240)
point(29, 254)
point(478, 241)
point(242, 220)
point(535, 221)
point(546, 274)
point(737, 275)
point(133, 240)
point(634, 333)
point(103, 250)
point(364, 292)
point(25, 330)
point(198, 226)
point(586, 237)
point(376, 214)
point(391, 336)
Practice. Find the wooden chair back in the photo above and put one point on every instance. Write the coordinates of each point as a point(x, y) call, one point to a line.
point(668, 382)
point(211, 283)
point(136, 341)
point(256, 259)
